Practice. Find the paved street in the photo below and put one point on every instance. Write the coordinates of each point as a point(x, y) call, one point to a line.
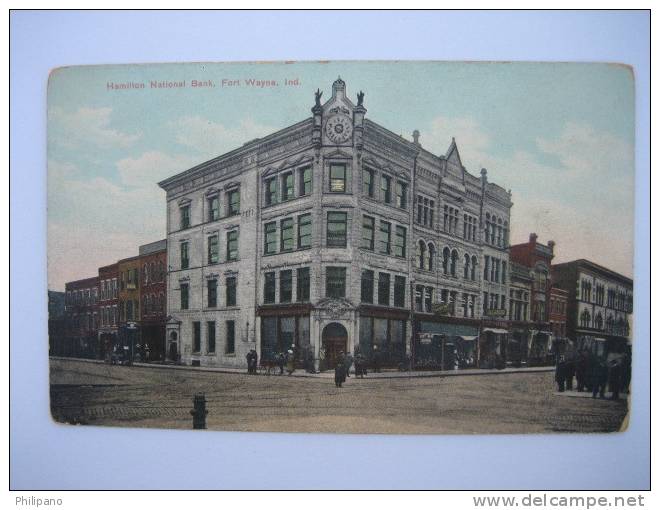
point(99, 394)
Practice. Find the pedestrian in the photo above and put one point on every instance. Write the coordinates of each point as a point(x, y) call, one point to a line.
point(570, 373)
point(581, 371)
point(615, 372)
point(281, 361)
point(290, 362)
point(340, 374)
point(626, 372)
point(376, 359)
point(560, 373)
point(599, 378)
point(360, 365)
point(248, 359)
point(348, 361)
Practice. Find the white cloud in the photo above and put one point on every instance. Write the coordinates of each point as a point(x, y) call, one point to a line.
point(151, 167)
point(212, 139)
point(87, 127)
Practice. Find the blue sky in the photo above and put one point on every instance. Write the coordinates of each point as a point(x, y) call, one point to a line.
point(560, 136)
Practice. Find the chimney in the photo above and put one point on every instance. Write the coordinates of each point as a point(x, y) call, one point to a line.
point(416, 137)
point(532, 238)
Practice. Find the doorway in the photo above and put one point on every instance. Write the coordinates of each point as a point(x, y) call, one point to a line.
point(335, 338)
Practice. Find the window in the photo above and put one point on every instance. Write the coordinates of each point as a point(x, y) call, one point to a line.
point(503, 272)
point(454, 260)
point(212, 293)
point(302, 288)
point(384, 241)
point(445, 260)
point(185, 261)
point(271, 191)
point(335, 282)
point(213, 250)
point(386, 188)
point(401, 195)
point(384, 289)
point(367, 286)
point(428, 299)
point(230, 346)
point(269, 287)
point(197, 337)
point(338, 178)
point(185, 216)
point(425, 209)
point(305, 180)
point(234, 202)
point(400, 291)
point(232, 245)
point(450, 223)
point(421, 255)
point(368, 182)
point(400, 242)
point(214, 208)
point(336, 233)
point(230, 291)
point(270, 238)
point(431, 258)
point(466, 266)
point(304, 231)
point(286, 286)
point(473, 269)
point(184, 296)
point(419, 297)
point(367, 233)
point(286, 234)
point(210, 336)
point(287, 186)
point(486, 267)
point(585, 319)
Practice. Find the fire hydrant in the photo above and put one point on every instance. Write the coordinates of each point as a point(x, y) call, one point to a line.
point(199, 411)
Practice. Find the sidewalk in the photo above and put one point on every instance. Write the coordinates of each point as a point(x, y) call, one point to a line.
point(384, 374)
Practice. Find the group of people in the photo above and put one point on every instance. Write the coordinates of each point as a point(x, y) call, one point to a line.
point(594, 373)
point(280, 359)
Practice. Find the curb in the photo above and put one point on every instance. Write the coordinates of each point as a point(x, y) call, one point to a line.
point(329, 374)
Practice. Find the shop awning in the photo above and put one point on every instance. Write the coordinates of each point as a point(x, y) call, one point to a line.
point(496, 331)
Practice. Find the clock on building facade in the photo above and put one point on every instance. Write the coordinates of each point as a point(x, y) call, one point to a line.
point(338, 128)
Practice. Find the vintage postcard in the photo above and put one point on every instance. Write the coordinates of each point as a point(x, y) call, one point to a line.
point(349, 247)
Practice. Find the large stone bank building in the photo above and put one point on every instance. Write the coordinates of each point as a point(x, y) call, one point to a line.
point(335, 234)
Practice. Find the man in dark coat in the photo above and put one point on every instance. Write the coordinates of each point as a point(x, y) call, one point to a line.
point(598, 378)
point(281, 361)
point(615, 373)
point(570, 373)
point(340, 374)
point(376, 359)
point(581, 370)
point(560, 373)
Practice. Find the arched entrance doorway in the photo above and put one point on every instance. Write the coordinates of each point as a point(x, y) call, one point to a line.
point(173, 351)
point(335, 338)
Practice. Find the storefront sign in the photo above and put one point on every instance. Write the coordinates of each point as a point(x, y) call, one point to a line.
point(496, 312)
point(425, 338)
point(441, 309)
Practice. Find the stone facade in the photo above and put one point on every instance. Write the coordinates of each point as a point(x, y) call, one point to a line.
point(331, 235)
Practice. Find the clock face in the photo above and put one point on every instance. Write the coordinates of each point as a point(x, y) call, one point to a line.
point(338, 128)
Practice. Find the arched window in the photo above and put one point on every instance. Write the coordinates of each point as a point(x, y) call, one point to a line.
point(431, 259)
point(473, 269)
point(466, 267)
point(599, 321)
point(445, 261)
point(454, 260)
point(585, 319)
point(421, 254)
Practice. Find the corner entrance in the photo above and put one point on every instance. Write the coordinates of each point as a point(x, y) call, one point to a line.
point(335, 338)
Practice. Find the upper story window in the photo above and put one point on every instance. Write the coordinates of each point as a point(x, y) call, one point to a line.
point(469, 228)
point(450, 219)
point(184, 296)
point(214, 208)
point(385, 238)
point(304, 231)
point(232, 245)
point(269, 287)
point(214, 250)
point(270, 238)
point(335, 282)
point(305, 180)
point(212, 293)
point(286, 234)
point(401, 195)
point(233, 202)
point(384, 289)
point(367, 232)
point(367, 286)
point(185, 216)
point(338, 178)
point(400, 242)
point(302, 284)
point(286, 286)
point(271, 191)
point(425, 210)
point(185, 260)
point(368, 182)
point(400, 291)
point(386, 188)
point(337, 229)
point(287, 186)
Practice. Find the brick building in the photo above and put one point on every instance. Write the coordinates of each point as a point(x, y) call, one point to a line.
point(153, 288)
point(128, 330)
point(81, 316)
point(336, 234)
point(600, 306)
point(108, 308)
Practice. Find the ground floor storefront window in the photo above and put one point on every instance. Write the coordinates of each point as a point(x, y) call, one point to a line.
point(384, 338)
point(280, 334)
point(445, 346)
